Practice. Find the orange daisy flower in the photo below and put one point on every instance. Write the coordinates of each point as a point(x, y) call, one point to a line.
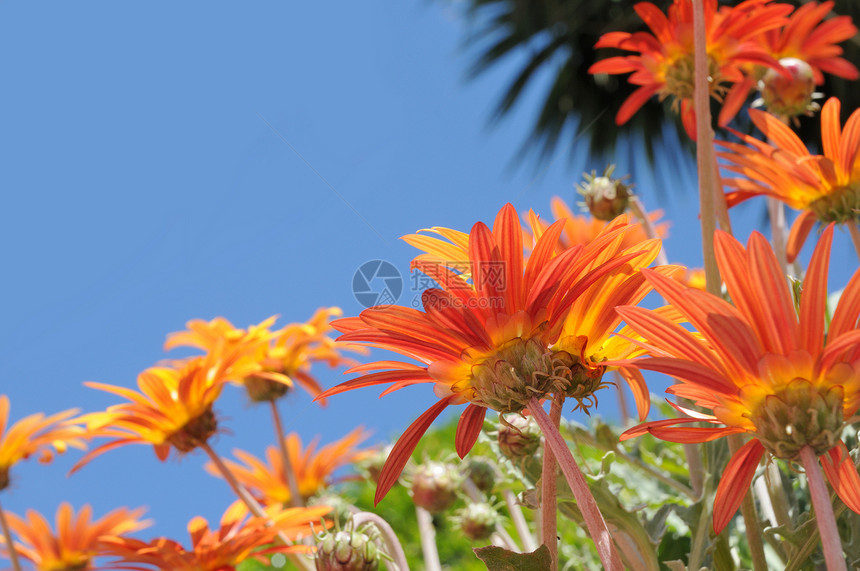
point(503, 330)
point(172, 410)
point(806, 49)
point(34, 434)
point(313, 467)
point(77, 540)
point(580, 229)
point(221, 549)
point(825, 187)
point(281, 357)
point(808, 37)
point(758, 367)
point(664, 64)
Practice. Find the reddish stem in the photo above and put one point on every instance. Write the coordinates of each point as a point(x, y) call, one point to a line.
point(549, 513)
point(594, 522)
point(830, 541)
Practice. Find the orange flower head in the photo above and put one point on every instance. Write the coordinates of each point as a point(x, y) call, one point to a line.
point(580, 230)
point(34, 434)
point(275, 360)
point(693, 277)
point(313, 467)
point(759, 367)
point(237, 540)
point(172, 410)
point(501, 330)
point(77, 539)
point(806, 48)
point(825, 187)
point(663, 64)
point(808, 37)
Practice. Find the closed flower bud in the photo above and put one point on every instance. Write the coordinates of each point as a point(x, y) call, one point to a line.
point(478, 521)
point(435, 485)
point(519, 437)
point(347, 551)
point(605, 197)
point(482, 473)
point(789, 94)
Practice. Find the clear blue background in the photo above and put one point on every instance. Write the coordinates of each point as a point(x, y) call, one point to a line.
point(142, 187)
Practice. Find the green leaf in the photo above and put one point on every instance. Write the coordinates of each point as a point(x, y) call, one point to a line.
point(500, 559)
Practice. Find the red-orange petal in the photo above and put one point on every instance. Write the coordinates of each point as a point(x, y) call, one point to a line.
point(735, 483)
point(842, 474)
point(402, 450)
point(799, 231)
point(813, 302)
point(469, 428)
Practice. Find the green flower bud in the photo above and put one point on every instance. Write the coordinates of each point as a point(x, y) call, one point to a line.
point(435, 485)
point(478, 521)
point(482, 473)
point(605, 197)
point(518, 437)
point(347, 551)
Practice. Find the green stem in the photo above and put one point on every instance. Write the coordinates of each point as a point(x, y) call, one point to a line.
point(751, 522)
point(830, 542)
point(594, 522)
point(7, 535)
point(289, 471)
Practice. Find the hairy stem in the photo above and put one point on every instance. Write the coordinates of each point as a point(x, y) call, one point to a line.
point(639, 210)
point(778, 231)
point(289, 471)
point(253, 505)
point(520, 523)
point(709, 185)
point(7, 535)
point(428, 540)
point(594, 522)
point(830, 542)
point(549, 511)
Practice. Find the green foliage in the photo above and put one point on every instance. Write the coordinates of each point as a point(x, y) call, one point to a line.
point(642, 487)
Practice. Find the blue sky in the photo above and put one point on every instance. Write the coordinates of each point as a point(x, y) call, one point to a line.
point(169, 161)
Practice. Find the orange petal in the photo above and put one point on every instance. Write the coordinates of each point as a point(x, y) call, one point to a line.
point(640, 391)
point(735, 483)
point(799, 231)
point(848, 310)
point(813, 302)
point(842, 474)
